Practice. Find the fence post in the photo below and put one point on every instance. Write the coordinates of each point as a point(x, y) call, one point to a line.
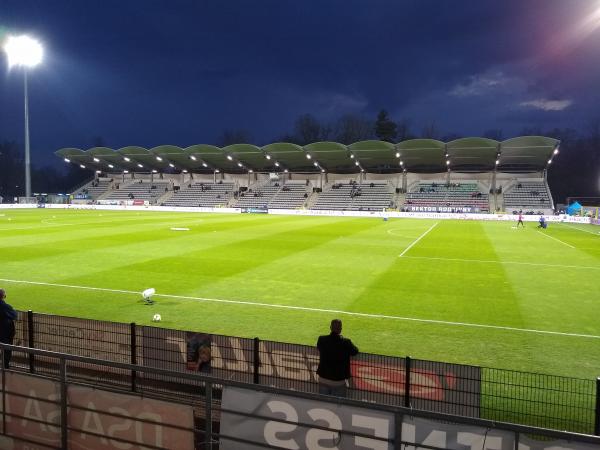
point(208, 437)
point(597, 421)
point(407, 364)
point(133, 345)
point(30, 340)
point(256, 360)
point(63, 404)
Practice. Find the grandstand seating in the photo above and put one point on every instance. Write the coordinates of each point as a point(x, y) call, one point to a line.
point(454, 195)
point(257, 196)
point(527, 195)
point(93, 189)
point(202, 194)
point(354, 197)
point(291, 195)
point(139, 190)
point(372, 197)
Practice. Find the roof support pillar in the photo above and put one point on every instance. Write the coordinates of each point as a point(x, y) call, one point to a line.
point(495, 190)
point(448, 177)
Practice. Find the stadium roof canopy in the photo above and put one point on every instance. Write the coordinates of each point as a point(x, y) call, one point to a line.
point(473, 154)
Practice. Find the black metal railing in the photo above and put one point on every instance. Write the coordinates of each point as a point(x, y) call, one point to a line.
point(63, 418)
point(497, 394)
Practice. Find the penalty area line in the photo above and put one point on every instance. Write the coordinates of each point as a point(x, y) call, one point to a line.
point(307, 309)
point(418, 239)
point(557, 240)
point(491, 261)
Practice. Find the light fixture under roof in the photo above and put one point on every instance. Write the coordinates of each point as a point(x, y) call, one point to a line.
point(276, 164)
point(82, 166)
point(401, 163)
point(250, 171)
point(308, 156)
point(140, 166)
point(285, 170)
point(172, 165)
point(397, 154)
point(229, 157)
point(126, 171)
point(110, 166)
point(217, 170)
point(268, 156)
point(158, 158)
point(447, 162)
point(497, 161)
point(125, 158)
point(193, 158)
point(98, 171)
point(556, 151)
point(549, 161)
point(96, 159)
point(67, 160)
point(204, 165)
point(316, 164)
point(240, 165)
point(351, 155)
point(356, 163)
point(154, 171)
point(184, 170)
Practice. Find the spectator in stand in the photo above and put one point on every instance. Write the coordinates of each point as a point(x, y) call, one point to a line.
point(7, 326)
point(335, 352)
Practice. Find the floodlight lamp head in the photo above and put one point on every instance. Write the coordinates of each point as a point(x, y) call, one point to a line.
point(23, 51)
point(148, 293)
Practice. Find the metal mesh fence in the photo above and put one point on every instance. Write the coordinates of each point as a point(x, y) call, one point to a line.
point(539, 400)
point(504, 395)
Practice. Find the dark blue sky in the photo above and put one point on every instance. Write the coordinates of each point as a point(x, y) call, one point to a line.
point(151, 72)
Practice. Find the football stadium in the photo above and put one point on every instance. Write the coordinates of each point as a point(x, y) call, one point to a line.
point(467, 291)
point(300, 225)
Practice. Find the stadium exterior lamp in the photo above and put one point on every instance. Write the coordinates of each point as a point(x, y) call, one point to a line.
point(27, 52)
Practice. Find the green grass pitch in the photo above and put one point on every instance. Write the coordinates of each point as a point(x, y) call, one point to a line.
point(536, 293)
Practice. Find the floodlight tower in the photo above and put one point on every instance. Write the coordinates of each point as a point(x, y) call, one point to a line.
point(27, 52)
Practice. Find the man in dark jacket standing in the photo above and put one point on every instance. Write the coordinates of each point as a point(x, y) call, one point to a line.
point(334, 361)
point(7, 326)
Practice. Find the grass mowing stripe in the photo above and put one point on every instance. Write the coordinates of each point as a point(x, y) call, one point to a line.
point(489, 261)
point(302, 308)
point(419, 238)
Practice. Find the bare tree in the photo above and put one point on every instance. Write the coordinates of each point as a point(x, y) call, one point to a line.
point(430, 131)
point(229, 137)
point(352, 128)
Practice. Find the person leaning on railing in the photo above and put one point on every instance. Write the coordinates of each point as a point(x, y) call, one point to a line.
point(7, 326)
point(335, 352)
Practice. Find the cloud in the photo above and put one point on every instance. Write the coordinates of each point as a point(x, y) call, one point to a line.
point(479, 85)
point(547, 105)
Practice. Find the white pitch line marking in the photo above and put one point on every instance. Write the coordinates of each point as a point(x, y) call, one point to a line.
point(491, 261)
point(579, 229)
point(558, 240)
point(418, 239)
point(304, 308)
